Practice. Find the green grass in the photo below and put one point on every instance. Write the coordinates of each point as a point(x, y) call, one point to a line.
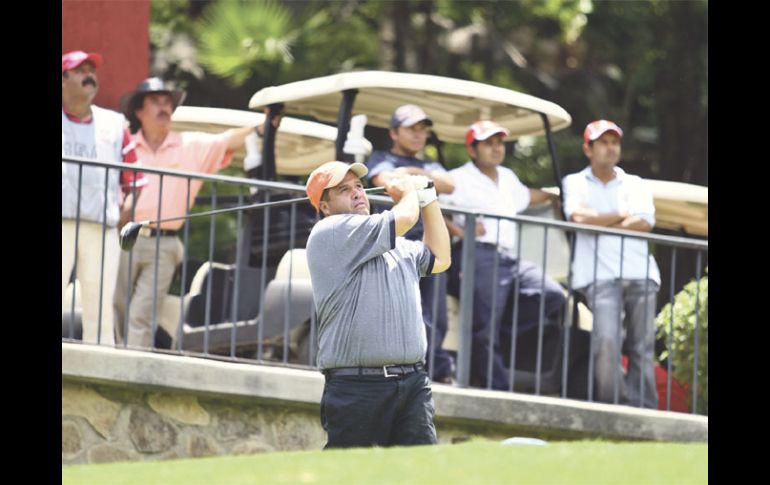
point(476, 462)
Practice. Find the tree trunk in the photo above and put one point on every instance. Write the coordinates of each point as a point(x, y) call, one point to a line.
point(426, 64)
point(400, 13)
point(683, 128)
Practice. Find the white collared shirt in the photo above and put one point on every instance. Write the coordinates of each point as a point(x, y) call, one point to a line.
point(623, 193)
point(476, 192)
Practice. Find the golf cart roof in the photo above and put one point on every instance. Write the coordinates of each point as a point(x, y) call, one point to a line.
point(452, 104)
point(678, 206)
point(300, 145)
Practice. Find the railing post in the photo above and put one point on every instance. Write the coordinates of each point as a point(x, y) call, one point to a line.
point(468, 268)
point(343, 123)
point(268, 167)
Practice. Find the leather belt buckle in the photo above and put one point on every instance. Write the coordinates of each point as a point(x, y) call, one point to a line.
point(385, 371)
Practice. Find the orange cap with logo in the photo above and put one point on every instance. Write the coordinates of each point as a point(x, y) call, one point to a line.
point(329, 175)
point(481, 130)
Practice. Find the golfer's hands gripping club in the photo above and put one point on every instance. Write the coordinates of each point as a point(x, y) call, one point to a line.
point(426, 192)
point(397, 187)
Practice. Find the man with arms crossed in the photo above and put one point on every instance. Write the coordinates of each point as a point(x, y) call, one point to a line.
point(621, 287)
point(365, 278)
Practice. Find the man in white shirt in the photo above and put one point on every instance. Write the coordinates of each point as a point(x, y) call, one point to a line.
point(619, 279)
point(96, 201)
point(483, 185)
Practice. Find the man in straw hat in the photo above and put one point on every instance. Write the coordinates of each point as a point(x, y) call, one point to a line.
point(149, 109)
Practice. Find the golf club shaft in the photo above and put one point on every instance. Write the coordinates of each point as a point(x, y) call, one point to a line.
point(277, 203)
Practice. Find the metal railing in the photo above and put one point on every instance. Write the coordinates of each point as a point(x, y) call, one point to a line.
point(281, 328)
point(201, 341)
point(569, 320)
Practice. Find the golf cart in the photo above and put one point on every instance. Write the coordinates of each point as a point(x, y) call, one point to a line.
point(453, 105)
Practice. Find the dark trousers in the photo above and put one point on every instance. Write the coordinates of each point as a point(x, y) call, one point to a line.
point(435, 287)
point(488, 334)
point(378, 411)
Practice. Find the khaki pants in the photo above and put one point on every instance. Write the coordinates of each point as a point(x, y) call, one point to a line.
point(97, 293)
point(142, 287)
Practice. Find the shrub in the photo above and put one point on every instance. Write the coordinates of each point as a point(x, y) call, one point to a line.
point(682, 342)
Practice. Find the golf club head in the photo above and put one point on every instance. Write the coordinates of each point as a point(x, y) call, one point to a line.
point(128, 235)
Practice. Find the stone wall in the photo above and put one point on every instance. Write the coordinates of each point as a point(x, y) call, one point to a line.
point(104, 423)
point(122, 405)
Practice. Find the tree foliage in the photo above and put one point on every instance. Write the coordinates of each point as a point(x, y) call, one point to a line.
point(642, 64)
point(173, 50)
point(240, 39)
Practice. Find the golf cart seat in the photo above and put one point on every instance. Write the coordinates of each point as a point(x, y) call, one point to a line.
point(285, 302)
point(222, 279)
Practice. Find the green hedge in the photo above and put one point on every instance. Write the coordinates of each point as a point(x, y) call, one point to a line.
point(683, 338)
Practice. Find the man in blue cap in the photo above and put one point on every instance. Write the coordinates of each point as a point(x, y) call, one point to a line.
point(409, 129)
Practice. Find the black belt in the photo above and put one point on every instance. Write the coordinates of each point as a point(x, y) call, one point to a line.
point(385, 371)
point(153, 232)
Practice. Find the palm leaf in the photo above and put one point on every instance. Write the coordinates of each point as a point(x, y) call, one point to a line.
point(239, 38)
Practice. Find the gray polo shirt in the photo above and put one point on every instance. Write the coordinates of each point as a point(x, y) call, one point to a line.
point(366, 291)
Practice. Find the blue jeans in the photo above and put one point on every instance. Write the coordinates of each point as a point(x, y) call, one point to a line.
point(378, 411)
point(624, 306)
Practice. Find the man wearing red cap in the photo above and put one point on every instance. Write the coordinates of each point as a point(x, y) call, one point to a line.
point(91, 199)
point(620, 278)
point(489, 187)
point(365, 276)
point(149, 109)
point(409, 130)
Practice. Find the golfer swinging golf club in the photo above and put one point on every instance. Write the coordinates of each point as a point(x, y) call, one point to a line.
point(365, 277)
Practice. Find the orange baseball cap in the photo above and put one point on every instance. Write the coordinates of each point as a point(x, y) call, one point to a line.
point(597, 128)
point(329, 175)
